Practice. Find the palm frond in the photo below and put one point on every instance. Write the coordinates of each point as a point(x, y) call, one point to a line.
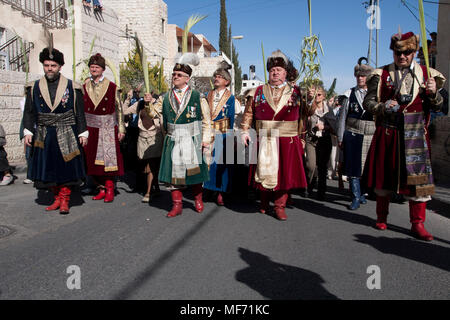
point(143, 59)
point(111, 66)
point(193, 20)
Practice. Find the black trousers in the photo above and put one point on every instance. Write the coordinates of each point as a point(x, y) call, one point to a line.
point(317, 157)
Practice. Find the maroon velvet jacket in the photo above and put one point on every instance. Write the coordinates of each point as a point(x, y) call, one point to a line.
point(107, 105)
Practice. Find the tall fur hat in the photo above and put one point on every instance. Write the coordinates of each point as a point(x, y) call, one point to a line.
point(292, 73)
point(404, 42)
point(277, 59)
point(223, 71)
point(184, 61)
point(54, 55)
point(362, 69)
point(98, 60)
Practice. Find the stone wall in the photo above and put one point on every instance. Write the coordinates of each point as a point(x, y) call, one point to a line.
point(105, 28)
point(12, 85)
point(149, 20)
point(440, 150)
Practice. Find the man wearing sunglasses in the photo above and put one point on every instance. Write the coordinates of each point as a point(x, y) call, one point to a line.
point(186, 121)
point(401, 96)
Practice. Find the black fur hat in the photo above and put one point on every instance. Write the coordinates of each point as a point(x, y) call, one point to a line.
point(54, 55)
point(279, 59)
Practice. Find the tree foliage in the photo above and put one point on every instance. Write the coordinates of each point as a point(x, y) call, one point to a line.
point(131, 74)
point(224, 41)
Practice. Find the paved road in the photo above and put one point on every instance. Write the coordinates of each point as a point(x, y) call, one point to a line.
point(130, 250)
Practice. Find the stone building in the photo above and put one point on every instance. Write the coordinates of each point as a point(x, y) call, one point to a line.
point(147, 19)
point(29, 20)
point(209, 57)
point(440, 144)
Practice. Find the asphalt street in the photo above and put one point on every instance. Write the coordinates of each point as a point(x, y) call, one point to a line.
point(130, 250)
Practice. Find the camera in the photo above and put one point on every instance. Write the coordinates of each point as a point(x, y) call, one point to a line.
point(404, 98)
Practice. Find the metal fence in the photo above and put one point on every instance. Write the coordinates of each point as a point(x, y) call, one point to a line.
point(51, 13)
point(12, 56)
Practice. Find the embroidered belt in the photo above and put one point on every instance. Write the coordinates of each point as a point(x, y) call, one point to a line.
point(221, 125)
point(358, 126)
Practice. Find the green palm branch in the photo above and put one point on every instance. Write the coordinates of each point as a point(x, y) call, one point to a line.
point(193, 20)
point(143, 58)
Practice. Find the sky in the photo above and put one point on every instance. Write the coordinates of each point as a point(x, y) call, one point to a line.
point(342, 27)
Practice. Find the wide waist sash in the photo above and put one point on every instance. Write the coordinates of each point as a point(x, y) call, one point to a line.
point(358, 126)
point(285, 128)
point(186, 152)
point(63, 122)
point(268, 155)
point(106, 148)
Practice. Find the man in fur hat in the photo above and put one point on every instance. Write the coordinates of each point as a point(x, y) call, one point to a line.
point(55, 128)
point(222, 107)
point(106, 127)
point(276, 110)
point(355, 132)
point(401, 96)
point(186, 121)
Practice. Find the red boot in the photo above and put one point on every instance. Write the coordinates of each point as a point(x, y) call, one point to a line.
point(197, 191)
point(55, 205)
point(382, 212)
point(109, 195)
point(417, 212)
point(64, 195)
point(265, 201)
point(280, 204)
point(100, 195)
point(177, 204)
point(220, 200)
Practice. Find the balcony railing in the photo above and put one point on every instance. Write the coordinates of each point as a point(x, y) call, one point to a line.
point(51, 13)
point(12, 56)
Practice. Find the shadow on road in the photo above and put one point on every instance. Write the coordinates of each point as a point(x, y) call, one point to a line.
point(142, 278)
point(320, 209)
point(439, 207)
point(424, 252)
point(279, 281)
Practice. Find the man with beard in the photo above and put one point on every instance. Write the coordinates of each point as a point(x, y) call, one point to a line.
point(55, 126)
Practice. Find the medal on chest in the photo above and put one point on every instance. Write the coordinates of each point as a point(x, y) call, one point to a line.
point(65, 97)
point(191, 112)
point(389, 82)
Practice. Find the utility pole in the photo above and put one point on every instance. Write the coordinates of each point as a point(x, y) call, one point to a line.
point(373, 22)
